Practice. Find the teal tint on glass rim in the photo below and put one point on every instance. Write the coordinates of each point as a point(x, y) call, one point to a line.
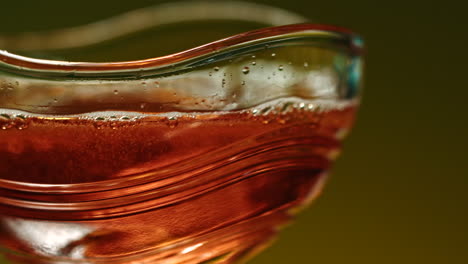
point(188, 132)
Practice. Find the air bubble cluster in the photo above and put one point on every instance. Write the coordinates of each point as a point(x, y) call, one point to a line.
point(19, 122)
point(280, 112)
point(172, 121)
point(112, 122)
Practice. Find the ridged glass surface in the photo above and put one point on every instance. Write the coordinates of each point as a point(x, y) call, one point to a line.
point(196, 156)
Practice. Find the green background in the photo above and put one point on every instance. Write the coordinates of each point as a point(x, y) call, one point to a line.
point(399, 192)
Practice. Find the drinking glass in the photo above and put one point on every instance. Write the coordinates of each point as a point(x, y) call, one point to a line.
point(199, 156)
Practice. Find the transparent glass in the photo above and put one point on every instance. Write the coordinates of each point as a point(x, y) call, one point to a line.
point(199, 156)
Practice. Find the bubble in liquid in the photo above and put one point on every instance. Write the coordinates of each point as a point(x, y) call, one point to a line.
point(142, 105)
point(306, 64)
point(265, 110)
point(253, 56)
point(125, 118)
point(116, 92)
point(243, 83)
point(21, 126)
point(113, 125)
point(254, 63)
point(273, 54)
point(280, 68)
point(172, 121)
point(5, 116)
point(286, 106)
point(156, 84)
point(281, 120)
point(98, 125)
point(246, 70)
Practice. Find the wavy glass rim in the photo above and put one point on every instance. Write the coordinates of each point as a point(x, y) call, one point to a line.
point(189, 59)
point(262, 36)
point(22, 63)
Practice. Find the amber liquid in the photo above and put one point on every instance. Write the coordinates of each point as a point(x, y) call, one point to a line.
point(185, 189)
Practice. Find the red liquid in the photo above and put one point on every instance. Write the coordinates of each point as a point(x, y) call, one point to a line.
point(213, 185)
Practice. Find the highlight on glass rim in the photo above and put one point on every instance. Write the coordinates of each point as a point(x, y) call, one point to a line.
point(126, 141)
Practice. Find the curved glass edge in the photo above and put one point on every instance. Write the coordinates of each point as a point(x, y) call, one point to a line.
point(310, 62)
point(306, 61)
point(173, 63)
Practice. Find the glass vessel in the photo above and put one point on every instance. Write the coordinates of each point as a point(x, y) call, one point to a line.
point(199, 156)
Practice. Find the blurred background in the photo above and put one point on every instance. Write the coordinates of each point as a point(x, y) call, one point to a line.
point(399, 192)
